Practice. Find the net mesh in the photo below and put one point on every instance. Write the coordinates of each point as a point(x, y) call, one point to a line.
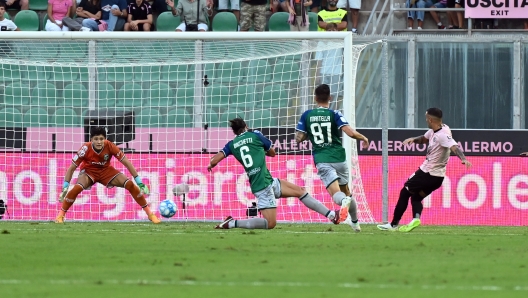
point(167, 105)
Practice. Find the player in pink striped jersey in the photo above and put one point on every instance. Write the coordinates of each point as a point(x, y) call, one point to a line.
point(430, 175)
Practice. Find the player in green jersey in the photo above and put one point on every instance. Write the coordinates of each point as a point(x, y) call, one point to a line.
point(321, 126)
point(250, 148)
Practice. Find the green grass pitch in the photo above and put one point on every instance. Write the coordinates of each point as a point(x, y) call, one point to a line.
point(293, 260)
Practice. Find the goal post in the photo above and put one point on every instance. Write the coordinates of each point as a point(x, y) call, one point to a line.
point(166, 99)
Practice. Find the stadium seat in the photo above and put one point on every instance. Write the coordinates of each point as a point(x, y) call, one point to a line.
point(230, 72)
point(130, 96)
point(262, 118)
point(286, 71)
point(167, 22)
point(174, 73)
point(185, 95)
point(65, 74)
point(27, 20)
point(147, 73)
point(10, 117)
point(216, 96)
point(225, 21)
point(6, 16)
point(149, 118)
point(75, 95)
point(243, 97)
point(16, 94)
point(159, 95)
point(179, 117)
point(274, 97)
point(279, 22)
point(38, 50)
point(66, 117)
point(208, 69)
point(44, 95)
point(116, 74)
point(314, 21)
point(229, 114)
point(38, 4)
point(72, 50)
point(36, 117)
point(36, 73)
point(259, 71)
point(9, 72)
point(106, 96)
point(211, 118)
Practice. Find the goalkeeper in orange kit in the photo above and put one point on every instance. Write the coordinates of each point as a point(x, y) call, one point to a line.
point(94, 159)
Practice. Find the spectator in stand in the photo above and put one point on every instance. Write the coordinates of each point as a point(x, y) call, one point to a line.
point(440, 4)
point(299, 14)
point(159, 6)
point(456, 17)
point(113, 12)
point(57, 10)
point(139, 16)
point(316, 5)
point(17, 4)
point(355, 6)
point(253, 13)
point(193, 18)
point(278, 5)
point(233, 4)
point(5, 24)
point(87, 9)
point(413, 15)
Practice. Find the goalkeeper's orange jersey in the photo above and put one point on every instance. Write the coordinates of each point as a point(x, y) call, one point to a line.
point(88, 158)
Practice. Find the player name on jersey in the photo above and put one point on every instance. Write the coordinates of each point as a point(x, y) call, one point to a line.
point(242, 142)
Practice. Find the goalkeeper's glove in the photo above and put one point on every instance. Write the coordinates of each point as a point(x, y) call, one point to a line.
point(144, 189)
point(65, 186)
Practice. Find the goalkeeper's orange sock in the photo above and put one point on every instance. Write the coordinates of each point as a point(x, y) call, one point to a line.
point(138, 197)
point(70, 198)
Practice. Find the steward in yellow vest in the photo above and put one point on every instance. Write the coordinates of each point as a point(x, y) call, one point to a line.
point(332, 15)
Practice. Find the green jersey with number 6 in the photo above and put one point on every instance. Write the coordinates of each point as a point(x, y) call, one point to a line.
point(322, 126)
point(250, 148)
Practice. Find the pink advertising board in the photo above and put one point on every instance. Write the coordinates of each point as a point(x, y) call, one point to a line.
point(493, 192)
point(496, 9)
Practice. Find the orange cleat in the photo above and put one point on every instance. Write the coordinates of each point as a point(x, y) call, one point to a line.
point(153, 218)
point(59, 219)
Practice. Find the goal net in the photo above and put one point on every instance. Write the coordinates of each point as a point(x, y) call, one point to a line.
point(166, 100)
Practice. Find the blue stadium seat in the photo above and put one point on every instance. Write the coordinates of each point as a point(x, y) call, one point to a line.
point(36, 117)
point(149, 118)
point(106, 96)
point(10, 117)
point(66, 117)
point(179, 117)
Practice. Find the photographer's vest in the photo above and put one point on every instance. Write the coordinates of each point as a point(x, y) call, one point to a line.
point(331, 16)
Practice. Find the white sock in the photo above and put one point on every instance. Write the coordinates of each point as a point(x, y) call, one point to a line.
point(331, 215)
point(410, 28)
point(231, 224)
point(439, 24)
point(419, 28)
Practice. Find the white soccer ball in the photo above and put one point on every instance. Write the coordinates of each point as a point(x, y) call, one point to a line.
point(168, 208)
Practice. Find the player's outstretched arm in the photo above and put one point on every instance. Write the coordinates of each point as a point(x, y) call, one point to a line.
point(67, 179)
point(300, 136)
point(460, 155)
point(416, 140)
point(130, 167)
point(215, 160)
point(355, 135)
point(271, 152)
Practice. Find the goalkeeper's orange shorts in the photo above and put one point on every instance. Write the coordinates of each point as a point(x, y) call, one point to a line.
point(102, 175)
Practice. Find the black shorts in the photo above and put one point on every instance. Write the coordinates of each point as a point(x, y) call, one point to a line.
point(421, 181)
point(451, 3)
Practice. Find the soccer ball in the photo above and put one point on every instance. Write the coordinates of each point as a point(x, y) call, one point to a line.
point(168, 208)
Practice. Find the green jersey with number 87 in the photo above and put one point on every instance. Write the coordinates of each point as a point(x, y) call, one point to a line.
point(322, 126)
point(250, 148)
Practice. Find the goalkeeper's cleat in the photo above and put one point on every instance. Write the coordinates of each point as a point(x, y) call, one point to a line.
point(153, 218)
point(355, 227)
point(387, 227)
point(63, 194)
point(411, 226)
point(343, 212)
point(59, 219)
point(225, 223)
